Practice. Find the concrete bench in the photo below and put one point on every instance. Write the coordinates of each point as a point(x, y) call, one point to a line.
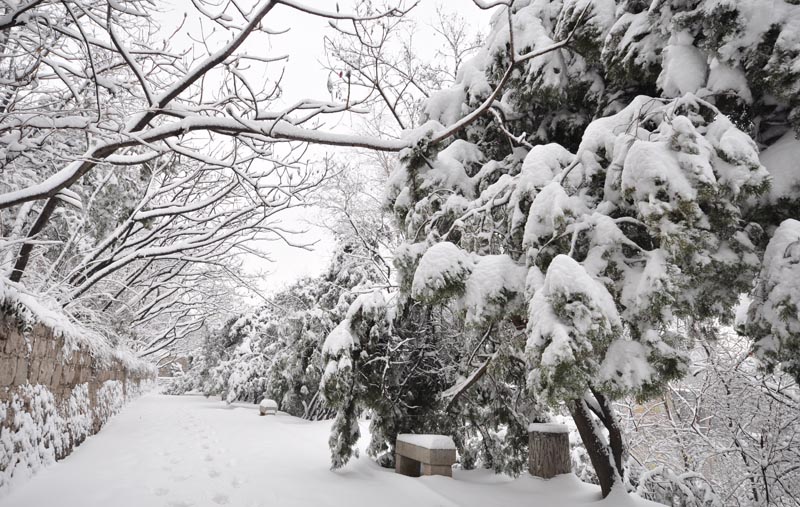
point(267, 406)
point(417, 455)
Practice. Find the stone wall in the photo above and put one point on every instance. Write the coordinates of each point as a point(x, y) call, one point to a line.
point(54, 393)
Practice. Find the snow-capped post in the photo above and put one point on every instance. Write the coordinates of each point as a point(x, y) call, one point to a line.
point(548, 450)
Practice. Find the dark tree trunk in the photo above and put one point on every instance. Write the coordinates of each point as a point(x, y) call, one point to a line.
point(25, 252)
point(609, 420)
point(606, 458)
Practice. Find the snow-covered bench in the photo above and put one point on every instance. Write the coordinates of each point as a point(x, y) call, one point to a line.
point(268, 406)
point(433, 454)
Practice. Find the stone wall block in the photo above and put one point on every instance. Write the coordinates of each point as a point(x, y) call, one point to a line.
point(8, 365)
point(39, 345)
point(13, 340)
point(46, 372)
point(67, 373)
point(56, 379)
point(21, 373)
point(33, 370)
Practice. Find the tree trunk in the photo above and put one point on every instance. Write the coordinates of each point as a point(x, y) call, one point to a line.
point(27, 248)
point(548, 450)
point(609, 420)
point(600, 453)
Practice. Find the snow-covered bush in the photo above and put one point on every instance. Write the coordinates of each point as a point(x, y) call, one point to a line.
point(775, 312)
point(276, 351)
point(388, 368)
point(43, 429)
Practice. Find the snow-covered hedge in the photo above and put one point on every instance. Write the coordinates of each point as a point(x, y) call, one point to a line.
point(37, 427)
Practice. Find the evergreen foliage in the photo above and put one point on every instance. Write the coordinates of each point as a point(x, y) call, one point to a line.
point(615, 191)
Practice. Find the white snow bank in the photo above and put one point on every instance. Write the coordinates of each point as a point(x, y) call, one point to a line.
point(189, 450)
point(43, 427)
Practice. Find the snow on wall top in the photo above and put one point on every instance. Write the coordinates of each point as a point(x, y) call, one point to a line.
point(32, 309)
point(428, 441)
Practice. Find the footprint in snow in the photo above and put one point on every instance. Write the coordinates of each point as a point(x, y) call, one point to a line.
point(180, 503)
point(209, 457)
point(236, 482)
point(213, 473)
point(220, 498)
point(160, 491)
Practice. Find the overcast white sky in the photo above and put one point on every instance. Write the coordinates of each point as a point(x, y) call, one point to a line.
point(305, 77)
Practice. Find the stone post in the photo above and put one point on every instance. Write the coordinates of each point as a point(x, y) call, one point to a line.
point(548, 450)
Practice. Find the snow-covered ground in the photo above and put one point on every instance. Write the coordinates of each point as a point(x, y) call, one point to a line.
point(191, 451)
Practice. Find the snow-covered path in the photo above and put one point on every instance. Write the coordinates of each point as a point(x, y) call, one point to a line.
point(190, 451)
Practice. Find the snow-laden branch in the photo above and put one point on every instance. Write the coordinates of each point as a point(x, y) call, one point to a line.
point(345, 16)
point(516, 60)
point(272, 126)
point(486, 5)
point(12, 18)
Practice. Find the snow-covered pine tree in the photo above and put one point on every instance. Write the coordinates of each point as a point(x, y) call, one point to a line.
point(614, 187)
point(276, 350)
point(388, 358)
point(774, 317)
